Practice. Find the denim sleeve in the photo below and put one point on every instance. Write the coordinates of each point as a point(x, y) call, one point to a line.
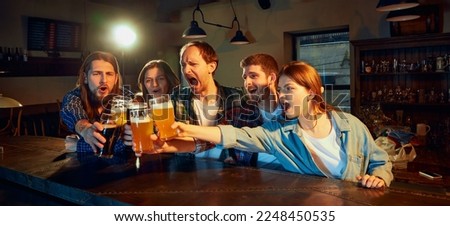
point(245, 139)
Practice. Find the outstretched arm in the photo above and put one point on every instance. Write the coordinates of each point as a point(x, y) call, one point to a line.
point(206, 133)
point(178, 144)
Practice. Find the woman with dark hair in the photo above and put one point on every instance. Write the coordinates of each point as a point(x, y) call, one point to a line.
point(310, 137)
point(157, 78)
point(98, 80)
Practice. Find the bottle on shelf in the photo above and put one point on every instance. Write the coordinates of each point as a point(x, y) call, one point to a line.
point(16, 55)
point(9, 56)
point(25, 55)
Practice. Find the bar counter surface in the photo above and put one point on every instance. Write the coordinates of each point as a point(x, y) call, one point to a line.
point(43, 165)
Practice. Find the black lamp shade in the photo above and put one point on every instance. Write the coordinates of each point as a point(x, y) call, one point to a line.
point(194, 31)
point(392, 5)
point(239, 39)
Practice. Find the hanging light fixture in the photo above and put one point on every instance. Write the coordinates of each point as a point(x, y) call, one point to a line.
point(392, 5)
point(403, 15)
point(194, 31)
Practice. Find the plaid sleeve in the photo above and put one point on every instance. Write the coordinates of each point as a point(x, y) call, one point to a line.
point(72, 109)
point(84, 147)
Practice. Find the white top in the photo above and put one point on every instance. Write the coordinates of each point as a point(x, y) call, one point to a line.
point(206, 114)
point(329, 150)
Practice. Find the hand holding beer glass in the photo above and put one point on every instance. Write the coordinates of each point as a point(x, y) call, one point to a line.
point(108, 121)
point(163, 116)
point(141, 127)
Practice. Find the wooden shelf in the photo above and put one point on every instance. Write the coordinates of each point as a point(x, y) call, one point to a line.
point(41, 66)
point(417, 94)
point(410, 49)
point(444, 73)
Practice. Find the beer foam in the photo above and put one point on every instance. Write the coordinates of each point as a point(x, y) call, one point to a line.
point(162, 105)
point(137, 106)
point(140, 119)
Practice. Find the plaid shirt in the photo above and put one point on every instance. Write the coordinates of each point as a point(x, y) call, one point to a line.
point(72, 111)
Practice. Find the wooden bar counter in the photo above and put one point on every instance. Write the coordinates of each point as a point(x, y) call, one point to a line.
point(43, 165)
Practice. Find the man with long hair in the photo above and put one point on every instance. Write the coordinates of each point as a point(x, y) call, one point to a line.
point(98, 81)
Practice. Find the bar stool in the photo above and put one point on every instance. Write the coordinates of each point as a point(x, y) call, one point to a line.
point(5, 103)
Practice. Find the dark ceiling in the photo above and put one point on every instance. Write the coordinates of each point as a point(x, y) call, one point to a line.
point(163, 10)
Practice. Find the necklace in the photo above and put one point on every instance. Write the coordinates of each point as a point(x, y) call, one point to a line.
point(314, 126)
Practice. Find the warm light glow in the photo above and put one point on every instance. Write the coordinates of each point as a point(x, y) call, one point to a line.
point(124, 35)
point(6, 102)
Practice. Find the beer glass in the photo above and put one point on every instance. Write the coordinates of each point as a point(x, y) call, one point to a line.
point(108, 121)
point(141, 127)
point(118, 105)
point(163, 115)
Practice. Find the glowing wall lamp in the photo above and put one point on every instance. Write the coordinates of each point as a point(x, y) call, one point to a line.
point(194, 31)
point(125, 37)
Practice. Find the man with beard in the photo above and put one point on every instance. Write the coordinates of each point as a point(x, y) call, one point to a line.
point(98, 80)
point(205, 101)
point(259, 72)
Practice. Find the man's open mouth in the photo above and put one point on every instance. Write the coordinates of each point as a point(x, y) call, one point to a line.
point(103, 89)
point(193, 81)
point(252, 90)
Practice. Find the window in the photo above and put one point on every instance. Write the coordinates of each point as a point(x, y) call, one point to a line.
point(329, 52)
point(53, 35)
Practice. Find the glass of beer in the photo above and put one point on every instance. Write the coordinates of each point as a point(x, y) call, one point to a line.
point(163, 115)
point(141, 127)
point(108, 121)
point(119, 106)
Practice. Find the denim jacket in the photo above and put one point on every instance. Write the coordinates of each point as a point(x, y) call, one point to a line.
point(284, 139)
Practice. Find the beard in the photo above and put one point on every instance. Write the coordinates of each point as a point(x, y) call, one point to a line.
point(97, 101)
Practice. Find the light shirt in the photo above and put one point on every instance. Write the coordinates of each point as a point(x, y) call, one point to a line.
point(206, 115)
point(329, 150)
